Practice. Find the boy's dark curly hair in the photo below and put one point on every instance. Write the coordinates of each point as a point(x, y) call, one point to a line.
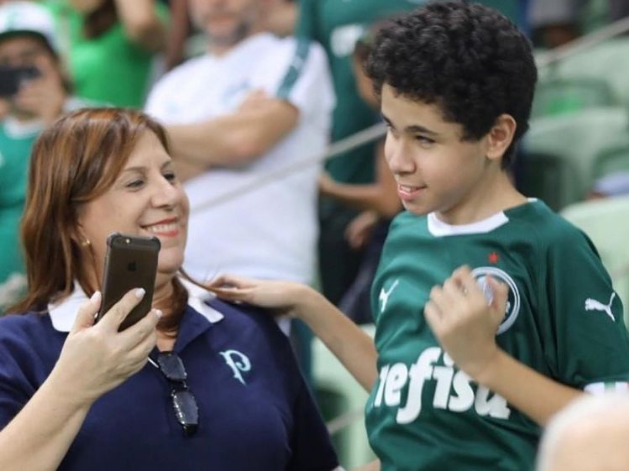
point(468, 59)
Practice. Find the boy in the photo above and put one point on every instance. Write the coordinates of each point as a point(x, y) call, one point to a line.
point(458, 384)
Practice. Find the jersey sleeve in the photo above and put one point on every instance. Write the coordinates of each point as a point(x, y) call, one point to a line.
point(155, 105)
point(297, 71)
point(16, 388)
point(587, 345)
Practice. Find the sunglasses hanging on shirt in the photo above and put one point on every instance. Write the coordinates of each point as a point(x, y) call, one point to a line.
point(184, 402)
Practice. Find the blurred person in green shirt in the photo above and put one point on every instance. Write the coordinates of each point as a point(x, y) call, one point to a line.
point(110, 46)
point(27, 46)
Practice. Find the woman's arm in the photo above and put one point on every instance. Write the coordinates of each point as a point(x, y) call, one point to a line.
point(354, 349)
point(141, 23)
point(465, 326)
point(179, 30)
point(94, 360)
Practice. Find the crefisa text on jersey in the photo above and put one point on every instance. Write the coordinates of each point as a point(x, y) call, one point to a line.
point(454, 390)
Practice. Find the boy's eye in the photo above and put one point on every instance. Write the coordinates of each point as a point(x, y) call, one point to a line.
point(424, 140)
point(170, 176)
point(391, 130)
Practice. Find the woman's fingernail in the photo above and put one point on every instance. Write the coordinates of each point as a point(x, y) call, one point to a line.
point(95, 296)
point(140, 292)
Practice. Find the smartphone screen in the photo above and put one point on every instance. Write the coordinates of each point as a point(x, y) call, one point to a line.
point(130, 262)
point(11, 78)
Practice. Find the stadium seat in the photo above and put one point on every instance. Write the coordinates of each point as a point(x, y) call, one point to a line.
point(549, 178)
point(606, 222)
point(341, 397)
point(606, 60)
point(560, 152)
point(565, 96)
point(613, 159)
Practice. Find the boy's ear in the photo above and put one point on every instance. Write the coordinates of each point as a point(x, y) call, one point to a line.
point(500, 136)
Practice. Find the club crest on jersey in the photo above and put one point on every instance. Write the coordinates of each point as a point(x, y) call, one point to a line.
point(513, 303)
point(238, 362)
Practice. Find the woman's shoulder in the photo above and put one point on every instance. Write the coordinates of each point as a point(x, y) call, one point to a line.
point(28, 326)
point(28, 342)
point(245, 316)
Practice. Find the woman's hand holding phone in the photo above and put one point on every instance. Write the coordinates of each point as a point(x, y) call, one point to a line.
point(97, 358)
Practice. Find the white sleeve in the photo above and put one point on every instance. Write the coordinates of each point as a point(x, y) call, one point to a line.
point(299, 73)
point(156, 102)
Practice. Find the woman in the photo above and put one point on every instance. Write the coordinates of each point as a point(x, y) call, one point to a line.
point(220, 391)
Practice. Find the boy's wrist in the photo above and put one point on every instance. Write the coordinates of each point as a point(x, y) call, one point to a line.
point(490, 372)
point(308, 302)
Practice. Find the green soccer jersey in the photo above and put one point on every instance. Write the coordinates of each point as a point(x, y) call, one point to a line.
point(563, 319)
point(15, 149)
point(337, 25)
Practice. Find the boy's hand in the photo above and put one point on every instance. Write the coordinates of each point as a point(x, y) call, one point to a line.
point(464, 323)
point(280, 296)
point(359, 230)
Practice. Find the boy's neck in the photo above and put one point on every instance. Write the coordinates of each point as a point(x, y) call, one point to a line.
point(496, 194)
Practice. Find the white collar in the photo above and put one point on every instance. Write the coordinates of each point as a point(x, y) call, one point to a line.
point(64, 313)
point(438, 228)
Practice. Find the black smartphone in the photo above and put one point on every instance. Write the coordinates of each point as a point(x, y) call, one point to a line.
point(11, 78)
point(130, 262)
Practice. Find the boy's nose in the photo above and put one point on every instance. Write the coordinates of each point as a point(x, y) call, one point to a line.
point(398, 157)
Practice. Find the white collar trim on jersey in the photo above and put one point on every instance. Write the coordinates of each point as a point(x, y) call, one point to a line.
point(64, 313)
point(439, 228)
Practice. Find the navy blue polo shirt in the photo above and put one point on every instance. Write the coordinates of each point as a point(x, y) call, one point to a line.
point(255, 410)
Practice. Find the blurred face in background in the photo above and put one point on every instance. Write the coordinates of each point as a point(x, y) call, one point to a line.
point(30, 51)
point(227, 22)
point(22, 51)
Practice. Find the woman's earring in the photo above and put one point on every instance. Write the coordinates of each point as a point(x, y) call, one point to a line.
point(85, 243)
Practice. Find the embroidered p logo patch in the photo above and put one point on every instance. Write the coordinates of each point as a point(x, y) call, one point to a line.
point(238, 362)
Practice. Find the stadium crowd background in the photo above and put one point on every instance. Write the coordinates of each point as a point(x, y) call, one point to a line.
point(115, 53)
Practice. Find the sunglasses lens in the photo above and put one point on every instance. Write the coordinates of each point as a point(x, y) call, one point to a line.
point(186, 410)
point(172, 366)
point(184, 403)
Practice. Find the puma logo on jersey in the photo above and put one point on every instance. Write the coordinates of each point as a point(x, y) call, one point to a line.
point(453, 389)
point(384, 295)
point(594, 305)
